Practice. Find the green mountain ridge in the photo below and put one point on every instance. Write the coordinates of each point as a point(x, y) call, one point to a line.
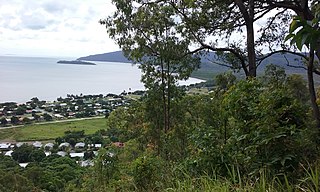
point(209, 68)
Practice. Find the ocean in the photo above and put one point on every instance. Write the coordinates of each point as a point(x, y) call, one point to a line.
point(22, 78)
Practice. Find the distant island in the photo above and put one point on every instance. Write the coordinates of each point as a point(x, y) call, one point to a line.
point(76, 62)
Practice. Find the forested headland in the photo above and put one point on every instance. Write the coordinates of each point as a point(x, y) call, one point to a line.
point(257, 133)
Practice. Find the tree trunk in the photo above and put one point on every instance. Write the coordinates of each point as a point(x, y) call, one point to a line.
point(250, 41)
point(312, 92)
point(248, 15)
point(251, 51)
point(164, 100)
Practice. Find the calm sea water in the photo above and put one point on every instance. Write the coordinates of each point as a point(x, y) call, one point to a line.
point(22, 78)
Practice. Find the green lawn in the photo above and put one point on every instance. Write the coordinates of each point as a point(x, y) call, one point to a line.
point(52, 130)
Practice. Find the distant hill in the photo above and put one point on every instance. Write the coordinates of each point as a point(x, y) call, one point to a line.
point(116, 56)
point(208, 69)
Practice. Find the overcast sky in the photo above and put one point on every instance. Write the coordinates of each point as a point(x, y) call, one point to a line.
point(60, 28)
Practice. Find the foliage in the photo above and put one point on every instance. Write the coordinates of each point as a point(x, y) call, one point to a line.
point(147, 172)
point(10, 181)
point(272, 120)
point(225, 81)
point(22, 153)
point(305, 32)
point(7, 163)
point(297, 88)
point(274, 75)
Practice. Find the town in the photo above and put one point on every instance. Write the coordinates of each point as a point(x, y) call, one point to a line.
point(71, 107)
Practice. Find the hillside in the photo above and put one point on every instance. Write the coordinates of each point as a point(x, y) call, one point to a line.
point(208, 69)
point(116, 56)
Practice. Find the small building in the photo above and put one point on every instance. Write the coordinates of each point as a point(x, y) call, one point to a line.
point(48, 146)
point(64, 146)
point(62, 153)
point(72, 155)
point(8, 153)
point(58, 116)
point(86, 163)
point(37, 144)
point(19, 144)
point(95, 146)
point(80, 145)
point(23, 165)
point(5, 146)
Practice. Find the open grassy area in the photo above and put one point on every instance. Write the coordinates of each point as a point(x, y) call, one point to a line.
point(51, 130)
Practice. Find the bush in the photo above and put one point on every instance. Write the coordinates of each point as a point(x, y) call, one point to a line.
point(147, 172)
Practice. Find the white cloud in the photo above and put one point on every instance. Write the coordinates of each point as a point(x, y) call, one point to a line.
point(54, 27)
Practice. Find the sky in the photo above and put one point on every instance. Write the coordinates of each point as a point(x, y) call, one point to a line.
point(54, 28)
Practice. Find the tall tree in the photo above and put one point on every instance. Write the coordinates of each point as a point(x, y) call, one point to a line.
point(147, 34)
point(305, 30)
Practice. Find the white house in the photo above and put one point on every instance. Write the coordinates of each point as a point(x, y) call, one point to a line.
point(8, 153)
point(76, 155)
point(5, 146)
point(80, 145)
point(37, 144)
point(62, 153)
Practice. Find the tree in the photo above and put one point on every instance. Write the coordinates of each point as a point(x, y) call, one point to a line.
point(47, 117)
point(22, 153)
point(266, 127)
point(26, 120)
point(297, 87)
point(274, 75)
point(14, 120)
point(203, 24)
point(3, 121)
point(304, 30)
point(7, 163)
point(37, 155)
point(21, 110)
point(163, 55)
point(11, 181)
point(225, 81)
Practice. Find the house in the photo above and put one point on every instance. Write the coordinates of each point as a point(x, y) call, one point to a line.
point(58, 116)
point(23, 165)
point(8, 153)
point(62, 153)
point(5, 146)
point(86, 163)
point(48, 146)
point(96, 146)
point(72, 155)
point(37, 144)
point(80, 145)
point(64, 145)
point(19, 144)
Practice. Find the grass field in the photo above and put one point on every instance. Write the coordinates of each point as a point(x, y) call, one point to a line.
point(52, 130)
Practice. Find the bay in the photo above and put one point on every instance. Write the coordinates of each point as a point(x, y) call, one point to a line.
point(22, 78)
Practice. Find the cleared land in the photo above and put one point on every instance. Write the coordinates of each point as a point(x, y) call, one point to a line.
point(52, 130)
